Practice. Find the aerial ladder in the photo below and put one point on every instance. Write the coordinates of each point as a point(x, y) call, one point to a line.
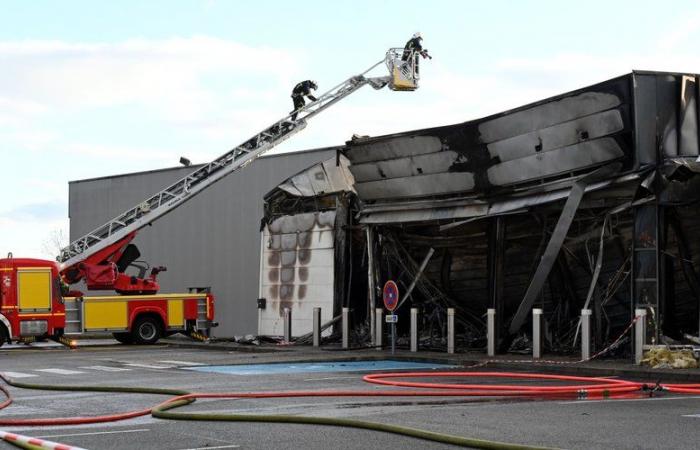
point(101, 257)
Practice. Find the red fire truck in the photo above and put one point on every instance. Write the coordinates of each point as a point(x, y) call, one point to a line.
point(35, 303)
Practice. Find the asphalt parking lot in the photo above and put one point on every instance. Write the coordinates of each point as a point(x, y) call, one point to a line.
point(663, 421)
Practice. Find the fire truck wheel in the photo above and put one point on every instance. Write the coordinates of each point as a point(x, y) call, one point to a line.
point(124, 338)
point(146, 330)
point(3, 334)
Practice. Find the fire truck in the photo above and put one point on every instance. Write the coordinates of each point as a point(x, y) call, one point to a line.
point(38, 298)
point(35, 304)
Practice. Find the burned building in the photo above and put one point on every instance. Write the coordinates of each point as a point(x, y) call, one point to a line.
point(587, 199)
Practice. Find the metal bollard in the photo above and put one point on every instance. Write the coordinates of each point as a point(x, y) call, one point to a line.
point(372, 327)
point(491, 332)
point(414, 330)
point(450, 330)
point(317, 327)
point(379, 317)
point(346, 327)
point(536, 333)
point(640, 334)
point(287, 325)
point(586, 334)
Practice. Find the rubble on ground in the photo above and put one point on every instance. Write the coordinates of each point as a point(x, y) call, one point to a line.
point(664, 358)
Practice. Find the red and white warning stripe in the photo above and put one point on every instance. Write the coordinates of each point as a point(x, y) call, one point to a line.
point(18, 440)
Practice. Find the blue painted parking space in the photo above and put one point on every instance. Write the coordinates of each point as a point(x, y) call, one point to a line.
point(318, 367)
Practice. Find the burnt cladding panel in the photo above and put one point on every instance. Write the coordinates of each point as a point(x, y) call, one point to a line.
point(645, 119)
point(667, 89)
point(580, 130)
point(430, 163)
point(569, 133)
point(394, 148)
point(688, 117)
point(666, 116)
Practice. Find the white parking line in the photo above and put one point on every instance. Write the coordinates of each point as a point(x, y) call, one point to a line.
point(60, 371)
point(330, 378)
point(182, 363)
point(148, 366)
point(105, 368)
point(94, 434)
point(212, 448)
point(19, 374)
point(616, 400)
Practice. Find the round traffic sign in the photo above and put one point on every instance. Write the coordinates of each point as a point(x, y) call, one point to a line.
point(391, 295)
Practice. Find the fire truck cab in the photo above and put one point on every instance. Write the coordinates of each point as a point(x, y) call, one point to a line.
point(30, 299)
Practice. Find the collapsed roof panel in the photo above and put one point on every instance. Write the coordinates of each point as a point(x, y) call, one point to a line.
point(326, 177)
point(312, 189)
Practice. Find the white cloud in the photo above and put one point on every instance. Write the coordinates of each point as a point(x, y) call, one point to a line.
point(681, 33)
point(166, 75)
point(118, 152)
point(26, 238)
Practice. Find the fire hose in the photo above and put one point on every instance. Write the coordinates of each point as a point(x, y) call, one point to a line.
point(581, 387)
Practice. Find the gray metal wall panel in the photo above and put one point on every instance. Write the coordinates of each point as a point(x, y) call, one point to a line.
point(645, 119)
point(212, 240)
point(688, 135)
point(667, 103)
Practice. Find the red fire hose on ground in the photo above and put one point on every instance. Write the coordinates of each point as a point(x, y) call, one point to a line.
point(577, 386)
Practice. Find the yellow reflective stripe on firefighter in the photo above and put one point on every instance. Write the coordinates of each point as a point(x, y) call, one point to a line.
point(105, 315)
point(176, 313)
point(34, 288)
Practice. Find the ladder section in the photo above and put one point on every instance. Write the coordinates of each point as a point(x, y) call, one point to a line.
point(174, 195)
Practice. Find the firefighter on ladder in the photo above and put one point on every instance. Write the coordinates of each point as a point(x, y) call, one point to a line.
point(413, 49)
point(301, 90)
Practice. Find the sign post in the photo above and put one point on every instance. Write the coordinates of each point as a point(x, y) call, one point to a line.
point(391, 300)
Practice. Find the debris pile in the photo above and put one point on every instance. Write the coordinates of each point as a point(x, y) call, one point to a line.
point(664, 358)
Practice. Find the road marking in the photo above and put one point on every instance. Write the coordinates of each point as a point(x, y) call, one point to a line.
point(105, 368)
point(94, 434)
point(148, 366)
point(212, 448)
point(60, 371)
point(646, 399)
point(182, 363)
point(19, 374)
point(330, 378)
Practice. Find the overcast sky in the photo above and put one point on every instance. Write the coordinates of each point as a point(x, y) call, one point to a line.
point(89, 88)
